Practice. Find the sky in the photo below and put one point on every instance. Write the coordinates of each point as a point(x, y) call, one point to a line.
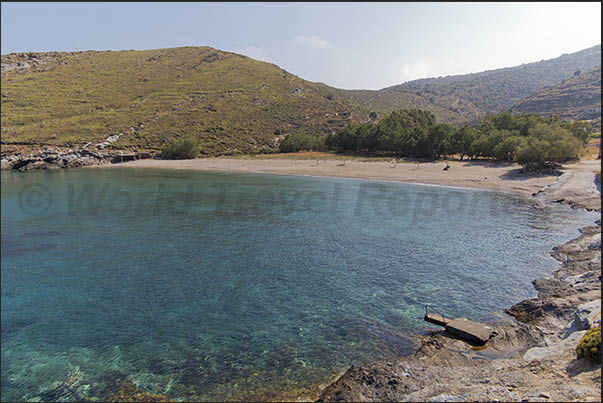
point(346, 45)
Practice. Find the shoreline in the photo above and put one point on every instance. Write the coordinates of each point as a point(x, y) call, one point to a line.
point(462, 174)
point(574, 185)
point(477, 189)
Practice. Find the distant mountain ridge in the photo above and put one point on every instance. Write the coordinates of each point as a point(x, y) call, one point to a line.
point(465, 98)
point(575, 98)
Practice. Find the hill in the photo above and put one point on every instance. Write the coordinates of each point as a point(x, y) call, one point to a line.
point(232, 103)
point(575, 98)
point(228, 101)
point(465, 98)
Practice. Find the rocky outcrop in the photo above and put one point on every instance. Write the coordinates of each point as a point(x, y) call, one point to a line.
point(55, 158)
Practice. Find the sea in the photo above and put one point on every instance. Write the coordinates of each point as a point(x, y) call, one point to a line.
point(205, 286)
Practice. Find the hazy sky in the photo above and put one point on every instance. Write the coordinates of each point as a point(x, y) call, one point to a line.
point(347, 45)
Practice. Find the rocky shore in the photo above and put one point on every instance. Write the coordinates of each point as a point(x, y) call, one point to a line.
point(50, 157)
point(531, 358)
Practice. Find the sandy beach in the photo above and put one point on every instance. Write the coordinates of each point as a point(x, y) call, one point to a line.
point(469, 174)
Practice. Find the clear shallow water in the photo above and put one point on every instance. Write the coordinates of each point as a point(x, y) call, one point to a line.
point(213, 286)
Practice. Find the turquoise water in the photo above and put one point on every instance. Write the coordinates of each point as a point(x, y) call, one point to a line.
point(213, 286)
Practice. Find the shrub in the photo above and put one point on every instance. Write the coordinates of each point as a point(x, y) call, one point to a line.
point(301, 142)
point(590, 345)
point(179, 149)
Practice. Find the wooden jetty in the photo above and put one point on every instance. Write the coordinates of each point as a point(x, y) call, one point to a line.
point(473, 332)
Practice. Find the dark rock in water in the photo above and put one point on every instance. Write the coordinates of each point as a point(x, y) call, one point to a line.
point(39, 164)
point(21, 251)
point(282, 356)
point(55, 395)
point(20, 163)
point(12, 246)
point(67, 390)
point(39, 234)
point(68, 158)
point(11, 326)
point(360, 329)
point(160, 367)
point(576, 283)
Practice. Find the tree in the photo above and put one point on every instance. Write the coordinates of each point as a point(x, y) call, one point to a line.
point(531, 155)
point(580, 130)
point(432, 143)
point(412, 118)
point(503, 121)
point(506, 149)
point(344, 139)
point(459, 141)
point(368, 136)
point(479, 147)
point(547, 145)
point(527, 139)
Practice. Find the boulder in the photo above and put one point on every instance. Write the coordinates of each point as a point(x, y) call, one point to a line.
point(538, 353)
point(586, 316)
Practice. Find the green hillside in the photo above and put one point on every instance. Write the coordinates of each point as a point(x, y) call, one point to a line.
point(465, 98)
point(228, 101)
point(575, 98)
